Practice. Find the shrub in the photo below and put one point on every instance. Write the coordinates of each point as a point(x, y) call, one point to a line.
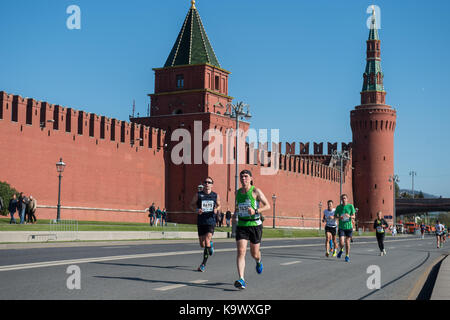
point(6, 193)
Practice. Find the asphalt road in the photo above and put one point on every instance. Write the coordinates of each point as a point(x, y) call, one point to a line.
point(294, 269)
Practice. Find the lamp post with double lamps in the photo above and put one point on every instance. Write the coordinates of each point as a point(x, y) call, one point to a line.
point(237, 111)
point(340, 156)
point(60, 169)
point(394, 179)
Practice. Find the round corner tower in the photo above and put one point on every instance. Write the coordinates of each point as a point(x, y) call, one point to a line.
point(373, 125)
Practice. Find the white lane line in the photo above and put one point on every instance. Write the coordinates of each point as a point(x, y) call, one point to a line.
point(371, 250)
point(116, 247)
point(198, 281)
point(289, 263)
point(148, 255)
point(176, 286)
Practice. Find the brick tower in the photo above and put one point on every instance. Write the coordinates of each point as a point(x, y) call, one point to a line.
point(373, 125)
point(191, 92)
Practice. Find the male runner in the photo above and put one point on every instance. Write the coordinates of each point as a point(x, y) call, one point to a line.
point(439, 232)
point(379, 225)
point(330, 228)
point(345, 212)
point(249, 224)
point(206, 203)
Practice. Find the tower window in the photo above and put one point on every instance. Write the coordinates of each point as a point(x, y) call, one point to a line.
point(180, 81)
point(217, 83)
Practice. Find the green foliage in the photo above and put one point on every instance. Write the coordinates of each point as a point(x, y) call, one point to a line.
point(6, 193)
point(397, 191)
point(405, 195)
point(444, 218)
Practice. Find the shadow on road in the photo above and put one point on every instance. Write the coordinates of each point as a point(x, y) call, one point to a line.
point(145, 266)
point(215, 285)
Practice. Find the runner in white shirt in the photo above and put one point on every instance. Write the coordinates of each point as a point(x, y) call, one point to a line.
point(330, 228)
point(439, 233)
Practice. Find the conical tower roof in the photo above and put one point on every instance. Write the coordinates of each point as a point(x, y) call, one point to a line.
point(192, 45)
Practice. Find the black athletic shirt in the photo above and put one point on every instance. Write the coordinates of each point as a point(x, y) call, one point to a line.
point(206, 202)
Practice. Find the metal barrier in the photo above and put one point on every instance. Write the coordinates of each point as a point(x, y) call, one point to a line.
point(64, 229)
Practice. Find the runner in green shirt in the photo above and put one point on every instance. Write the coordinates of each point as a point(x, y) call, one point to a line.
point(249, 225)
point(345, 212)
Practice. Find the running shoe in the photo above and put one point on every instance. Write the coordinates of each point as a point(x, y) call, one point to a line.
point(259, 267)
point(334, 253)
point(240, 284)
point(202, 268)
point(381, 253)
point(211, 250)
point(327, 254)
point(340, 254)
point(384, 251)
point(347, 259)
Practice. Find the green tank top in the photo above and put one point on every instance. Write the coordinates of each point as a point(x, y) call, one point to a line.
point(245, 201)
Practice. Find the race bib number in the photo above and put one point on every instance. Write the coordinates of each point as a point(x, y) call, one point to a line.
point(243, 209)
point(344, 218)
point(207, 205)
point(380, 229)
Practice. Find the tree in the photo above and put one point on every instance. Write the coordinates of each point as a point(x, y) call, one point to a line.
point(397, 190)
point(420, 195)
point(444, 218)
point(6, 193)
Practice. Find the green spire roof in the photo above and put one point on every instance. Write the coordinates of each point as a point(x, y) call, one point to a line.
point(192, 45)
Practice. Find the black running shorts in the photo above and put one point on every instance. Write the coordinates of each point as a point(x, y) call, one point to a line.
point(330, 230)
point(254, 234)
point(204, 229)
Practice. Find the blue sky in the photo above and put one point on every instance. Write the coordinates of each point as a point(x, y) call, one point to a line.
point(299, 64)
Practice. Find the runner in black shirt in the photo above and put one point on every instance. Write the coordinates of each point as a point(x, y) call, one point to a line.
point(206, 203)
point(379, 225)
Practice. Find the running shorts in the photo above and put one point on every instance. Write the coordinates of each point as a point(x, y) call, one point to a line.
point(345, 232)
point(204, 229)
point(330, 230)
point(254, 234)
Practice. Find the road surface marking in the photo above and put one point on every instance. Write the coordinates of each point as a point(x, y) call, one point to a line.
point(148, 255)
point(289, 263)
point(116, 247)
point(176, 286)
point(371, 250)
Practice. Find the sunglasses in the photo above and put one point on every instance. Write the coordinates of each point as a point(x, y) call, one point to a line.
point(208, 182)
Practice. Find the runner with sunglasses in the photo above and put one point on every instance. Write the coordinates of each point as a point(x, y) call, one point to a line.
point(206, 203)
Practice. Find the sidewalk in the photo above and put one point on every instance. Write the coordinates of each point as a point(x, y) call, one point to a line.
point(49, 236)
point(441, 290)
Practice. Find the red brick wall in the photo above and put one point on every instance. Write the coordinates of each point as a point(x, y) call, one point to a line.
point(100, 173)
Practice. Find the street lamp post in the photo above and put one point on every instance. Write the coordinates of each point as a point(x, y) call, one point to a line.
point(60, 169)
point(340, 156)
point(236, 111)
point(274, 198)
point(412, 174)
point(320, 214)
point(394, 179)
